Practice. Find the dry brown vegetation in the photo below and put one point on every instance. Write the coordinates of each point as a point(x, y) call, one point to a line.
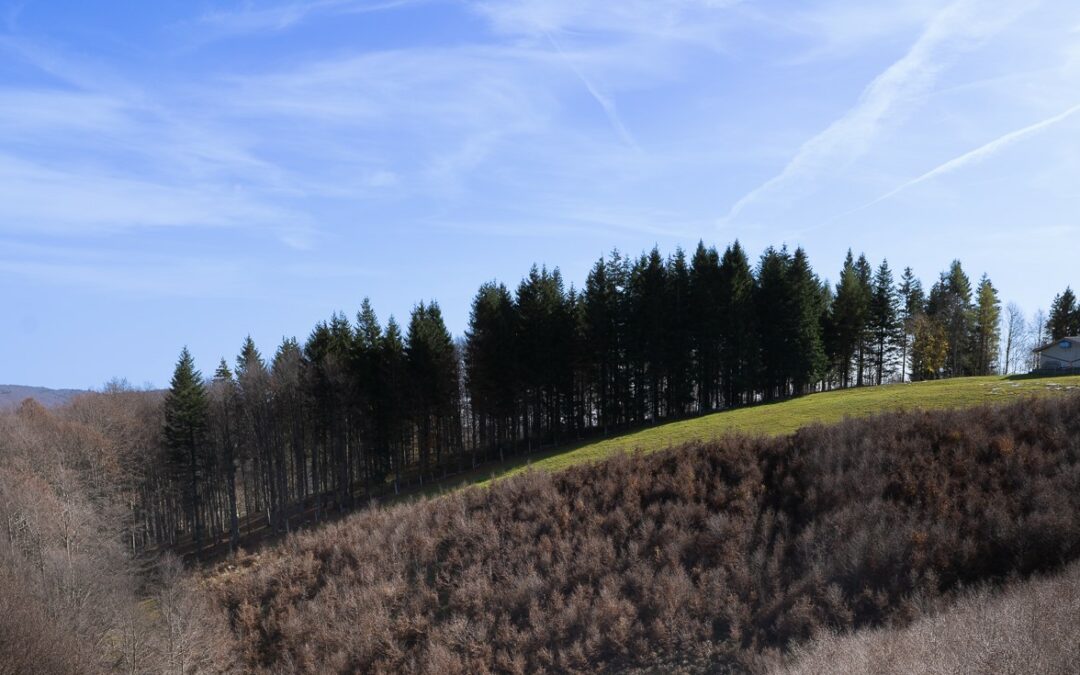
point(72, 597)
point(1030, 627)
point(708, 555)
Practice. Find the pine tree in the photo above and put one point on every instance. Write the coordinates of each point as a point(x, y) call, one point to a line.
point(678, 346)
point(929, 349)
point(739, 347)
point(773, 299)
point(368, 389)
point(490, 363)
point(864, 274)
point(706, 324)
point(850, 312)
point(186, 421)
point(393, 372)
point(1064, 319)
point(601, 319)
point(806, 352)
point(986, 329)
point(884, 321)
point(647, 320)
point(950, 306)
point(223, 420)
point(435, 382)
point(290, 422)
point(912, 304)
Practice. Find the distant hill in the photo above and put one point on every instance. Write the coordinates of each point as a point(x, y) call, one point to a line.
point(11, 395)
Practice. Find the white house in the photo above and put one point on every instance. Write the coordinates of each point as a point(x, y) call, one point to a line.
point(1063, 354)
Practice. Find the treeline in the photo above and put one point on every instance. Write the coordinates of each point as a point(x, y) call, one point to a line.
point(359, 409)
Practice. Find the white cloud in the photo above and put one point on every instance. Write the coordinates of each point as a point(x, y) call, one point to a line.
point(960, 26)
point(664, 19)
point(975, 156)
point(222, 23)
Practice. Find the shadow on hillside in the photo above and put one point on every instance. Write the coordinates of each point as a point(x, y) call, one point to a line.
point(1043, 375)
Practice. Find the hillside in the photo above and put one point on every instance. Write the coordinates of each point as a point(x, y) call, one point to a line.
point(12, 395)
point(1027, 627)
point(714, 554)
point(771, 419)
point(787, 416)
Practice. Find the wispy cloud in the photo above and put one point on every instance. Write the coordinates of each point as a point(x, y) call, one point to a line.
point(223, 23)
point(686, 20)
point(975, 156)
point(960, 26)
point(605, 101)
point(124, 274)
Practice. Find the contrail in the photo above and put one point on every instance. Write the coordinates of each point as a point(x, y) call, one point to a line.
point(977, 155)
point(605, 102)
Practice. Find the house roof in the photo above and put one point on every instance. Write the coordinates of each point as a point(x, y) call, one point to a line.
point(1053, 343)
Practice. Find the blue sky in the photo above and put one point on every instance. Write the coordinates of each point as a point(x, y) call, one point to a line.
point(191, 172)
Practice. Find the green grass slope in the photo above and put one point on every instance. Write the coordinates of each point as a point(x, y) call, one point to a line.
point(787, 416)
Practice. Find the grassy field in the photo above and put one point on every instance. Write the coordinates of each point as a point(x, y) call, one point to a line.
point(784, 417)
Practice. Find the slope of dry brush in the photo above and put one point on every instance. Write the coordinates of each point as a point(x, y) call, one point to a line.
point(707, 554)
point(1030, 627)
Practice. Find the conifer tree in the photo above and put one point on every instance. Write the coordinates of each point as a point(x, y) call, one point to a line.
point(490, 363)
point(950, 306)
point(773, 299)
point(850, 312)
point(986, 328)
point(601, 318)
point(864, 274)
point(912, 301)
point(806, 352)
point(290, 435)
point(647, 320)
point(1064, 319)
point(393, 373)
point(186, 420)
point(223, 420)
point(705, 324)
point(929, 349)
point(434, 379)
point(883, 321)
point(678, 346)
point(737, 326)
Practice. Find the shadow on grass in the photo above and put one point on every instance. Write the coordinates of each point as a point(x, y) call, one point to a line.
point(490, 471)
point(1044, 374)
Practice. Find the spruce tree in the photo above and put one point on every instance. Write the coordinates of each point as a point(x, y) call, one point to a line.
point(912, 304)
point(986, 329)
point(950, 306)
point(1064, 319)
point(773, 298)
point(883, 321)
point(806, 352)
point(648, 319)
point(434, 377)
point(864, 275)
point(223, 421)
point(185, 432)
point(737, 326)
point(393, 372)
point(600, 317)
point(705, 324)
point(678, 345)
point(490, 363)
point(850, 312)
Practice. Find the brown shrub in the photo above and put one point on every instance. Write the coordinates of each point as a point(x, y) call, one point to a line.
point(1029, 627)
point(703, 557)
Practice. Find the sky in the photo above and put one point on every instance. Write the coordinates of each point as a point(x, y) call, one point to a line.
point(191, 172)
